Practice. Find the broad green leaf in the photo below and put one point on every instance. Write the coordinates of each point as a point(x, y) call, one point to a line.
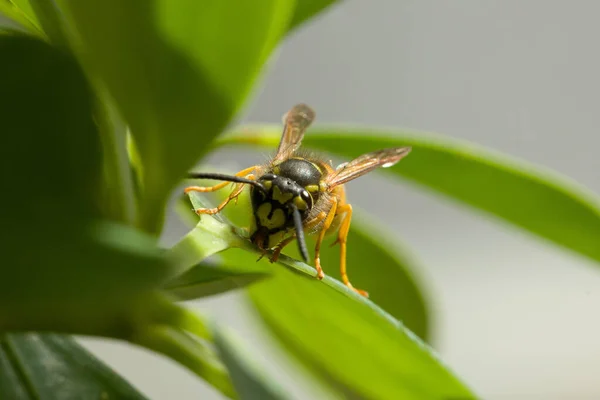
point(59, 258)
point(178, 71)
point(249, 380)
point(345, 338)
point(539, 201)
point(48, 366)
point(376, 262)
point(53, 154)
point(307, 9)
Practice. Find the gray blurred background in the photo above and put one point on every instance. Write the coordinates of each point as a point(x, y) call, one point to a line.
point(514, 317)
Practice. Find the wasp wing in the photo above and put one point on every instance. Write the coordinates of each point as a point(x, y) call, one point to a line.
point(296, 121)
point(366, 163)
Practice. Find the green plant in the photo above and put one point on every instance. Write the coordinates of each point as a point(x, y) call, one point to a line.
point(100, 102)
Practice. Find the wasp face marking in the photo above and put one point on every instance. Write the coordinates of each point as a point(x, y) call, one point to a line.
point(273, 210)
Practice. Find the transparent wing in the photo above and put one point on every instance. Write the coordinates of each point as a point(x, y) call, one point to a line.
point(366, 163)
point(296, 121)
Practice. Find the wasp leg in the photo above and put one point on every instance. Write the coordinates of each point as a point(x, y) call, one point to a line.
point(341, 239)
point(236, 192)
point(328, 220)
point(277, 252)
point(220, 185)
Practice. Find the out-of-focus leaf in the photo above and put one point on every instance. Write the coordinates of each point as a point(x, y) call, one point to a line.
point(307, 9)
point(48, 366)
point(178, 70)
point(346, 337)
point(542, 202)
point(62, 268)
point(52, 154)
point(248, 379)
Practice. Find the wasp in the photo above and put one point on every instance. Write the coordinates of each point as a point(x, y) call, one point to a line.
point(298, 192)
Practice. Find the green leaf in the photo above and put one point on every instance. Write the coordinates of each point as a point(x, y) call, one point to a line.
point(64, 268)
point(49, 366)
point(59, 258)
point(307, 9)
point(179, 70)
point(55, 158)
point(248, 379)
point(345, 338)
point(539, 201)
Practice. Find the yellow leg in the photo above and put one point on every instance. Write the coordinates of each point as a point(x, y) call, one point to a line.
point(280, 246)
point(342, 238)
point(220, 185)
point(326, 224)
point(236, 192)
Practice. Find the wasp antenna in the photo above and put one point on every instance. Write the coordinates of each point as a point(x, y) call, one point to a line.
point(228, 178)
point(299, 232)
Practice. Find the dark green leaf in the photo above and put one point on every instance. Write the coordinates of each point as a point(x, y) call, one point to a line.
point(59, 259)
point(540, 201)
point(249, 381)
point(52, 158)
point(307, 9)
point(346, 338)
point(34, 366)
point(178, 70)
